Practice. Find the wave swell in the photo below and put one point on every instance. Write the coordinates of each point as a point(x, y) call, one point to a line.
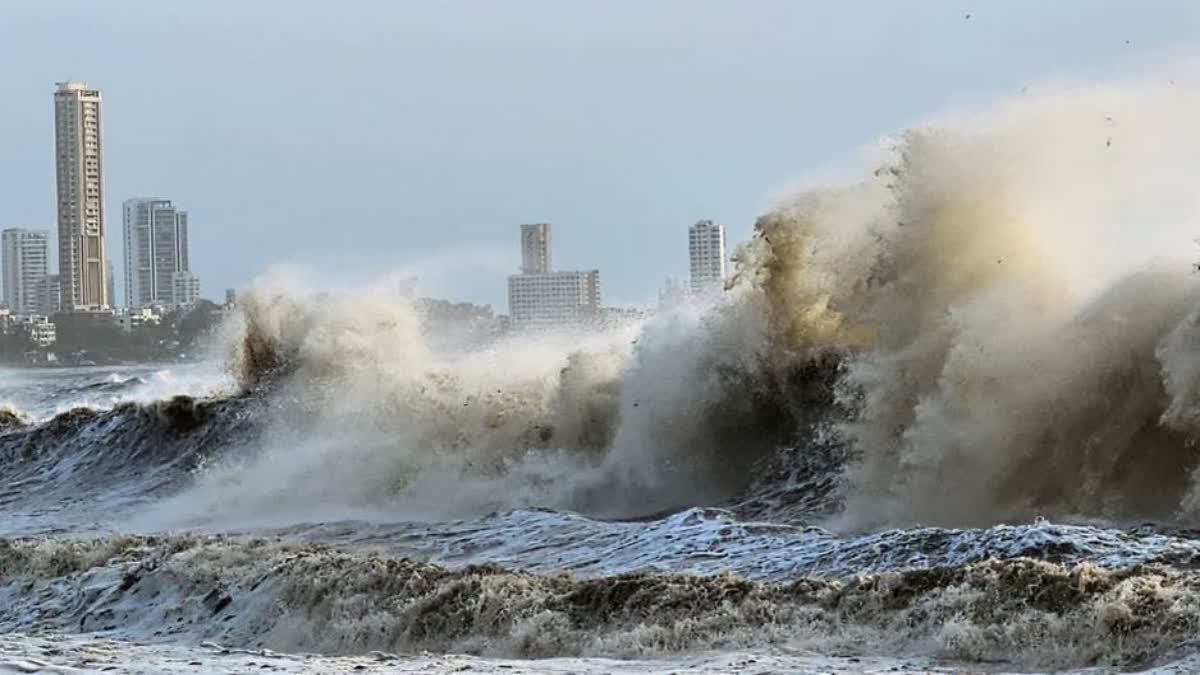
point(255, 594)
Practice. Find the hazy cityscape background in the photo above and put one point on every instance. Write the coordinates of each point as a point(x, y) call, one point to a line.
point(416, 140)
point(365, 137)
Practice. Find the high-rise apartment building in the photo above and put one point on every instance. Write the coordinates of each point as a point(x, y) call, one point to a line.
point(706, 256)
point(535, 249)
point(25, 258)
point(541, 297)
point(156, 255)
point(80, 180)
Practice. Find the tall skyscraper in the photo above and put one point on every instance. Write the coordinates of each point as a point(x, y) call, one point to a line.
point(80, 180)
point(25, 263)
point(156, 255)
point(535, 249)
point(706, 256)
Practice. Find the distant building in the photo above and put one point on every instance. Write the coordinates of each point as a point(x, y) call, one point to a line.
point(612, 317)
point(553, 298)
point(24, 260)
point(110, 279)
point(185, 289)
point(230, 297)
point(156, 255)
point(136, 318)
point(541, 297)
point(80, 186)
point(39, 329)
point(706, 257)
point(535, 249)
point(52, 295)
point(456, 325)
point(672, 294)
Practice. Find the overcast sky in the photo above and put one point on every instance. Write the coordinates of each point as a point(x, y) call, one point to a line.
point(364, 137)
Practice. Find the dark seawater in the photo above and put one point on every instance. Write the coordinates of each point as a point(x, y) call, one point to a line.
point(100, 562)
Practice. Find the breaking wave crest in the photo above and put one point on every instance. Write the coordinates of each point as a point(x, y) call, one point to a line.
point(984, 328)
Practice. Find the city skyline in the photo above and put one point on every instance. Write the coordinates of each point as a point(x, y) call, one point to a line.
point(157, 272)
point(429, 177)
point(155, 244)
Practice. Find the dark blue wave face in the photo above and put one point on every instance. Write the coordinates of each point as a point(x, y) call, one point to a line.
point(86, 470)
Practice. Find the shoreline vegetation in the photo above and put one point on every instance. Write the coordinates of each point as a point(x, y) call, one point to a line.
point(87, 339)
point(179, 335)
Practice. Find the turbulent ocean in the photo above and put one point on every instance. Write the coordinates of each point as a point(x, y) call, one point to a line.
point(943, 419)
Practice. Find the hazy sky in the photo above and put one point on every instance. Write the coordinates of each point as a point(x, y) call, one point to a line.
point(364, 137)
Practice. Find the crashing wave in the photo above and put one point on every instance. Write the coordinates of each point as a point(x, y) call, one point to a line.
point(972, 334)
point(11, 418)
point(977, 331)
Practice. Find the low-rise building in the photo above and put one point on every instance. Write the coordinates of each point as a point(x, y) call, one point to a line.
point(615, 317)
point(133, 319)
point(553, 298)
point(40, 330)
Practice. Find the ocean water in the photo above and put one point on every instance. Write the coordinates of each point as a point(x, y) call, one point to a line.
point(944, 419)
point(112, 561)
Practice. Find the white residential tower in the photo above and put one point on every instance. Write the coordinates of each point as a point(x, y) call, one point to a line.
point(25, 258)
point(706, 257)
